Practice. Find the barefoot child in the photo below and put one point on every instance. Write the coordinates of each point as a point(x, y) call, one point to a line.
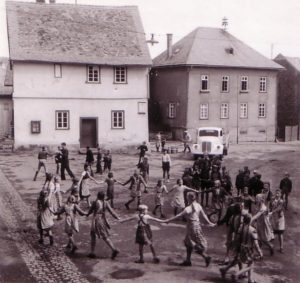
point(143, 232)
point(161, 190)
point(71, 222)
point(110, 181)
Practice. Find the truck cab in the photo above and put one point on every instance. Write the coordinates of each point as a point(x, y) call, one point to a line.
point(210, 141)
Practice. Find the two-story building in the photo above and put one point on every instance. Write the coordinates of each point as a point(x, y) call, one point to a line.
point(80, 74)
point(288, 109)
point(210, 78)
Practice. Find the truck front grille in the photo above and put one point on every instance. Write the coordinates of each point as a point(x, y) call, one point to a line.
point(206, 146)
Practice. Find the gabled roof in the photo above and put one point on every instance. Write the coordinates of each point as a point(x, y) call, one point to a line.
point(69, 33)
point(214, 47)
point(5, 78)
point(293, 61)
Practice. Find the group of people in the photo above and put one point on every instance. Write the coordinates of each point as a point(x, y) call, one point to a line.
point(253, 216)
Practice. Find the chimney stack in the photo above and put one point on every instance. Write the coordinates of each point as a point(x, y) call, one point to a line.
point(40, 1)
point(52, 1)
point(169, 44)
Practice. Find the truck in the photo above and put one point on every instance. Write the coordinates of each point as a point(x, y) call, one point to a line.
point(211, 141)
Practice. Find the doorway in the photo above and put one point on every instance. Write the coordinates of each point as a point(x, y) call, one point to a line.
point(88, 132)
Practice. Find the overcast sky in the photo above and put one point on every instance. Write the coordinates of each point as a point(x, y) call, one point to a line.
point(259, 23)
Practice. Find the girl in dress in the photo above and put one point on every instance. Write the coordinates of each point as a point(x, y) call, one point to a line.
point(57, 195)
point(45, 217)
point(277, 217)
point(263, 225)
point(143, 232)
point(84, 191)
point(161, 190)
point(100, 225)
point(70, 209)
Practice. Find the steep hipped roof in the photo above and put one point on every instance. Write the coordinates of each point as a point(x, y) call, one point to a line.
point(69, 33)
point(5, 78)
point(293, 61)
point(214, 47)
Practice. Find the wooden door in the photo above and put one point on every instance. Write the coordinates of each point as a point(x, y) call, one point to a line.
point(88, 132)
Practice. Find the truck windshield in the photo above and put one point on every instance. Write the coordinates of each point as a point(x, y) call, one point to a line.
point(208, 133)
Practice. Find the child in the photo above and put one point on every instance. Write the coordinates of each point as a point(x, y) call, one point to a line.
point(161, 189)
point(99, 160)
point(45, 217)
point(135, 188)
point(71, 222)
point(84, 191)
point(143, 232)
point(144, 170)
point(74, 189)
point(100, 225)
point(42, 158)
point(107, 159)
point(57, 194)
point(57, 158)
point(110, 181)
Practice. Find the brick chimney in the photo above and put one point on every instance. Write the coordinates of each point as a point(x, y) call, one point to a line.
point(169, 44)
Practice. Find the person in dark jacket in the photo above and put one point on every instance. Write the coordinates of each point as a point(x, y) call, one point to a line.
point(65, 162)
point(142, 148)
point(99, 160)
point(286, 186)
point(239, 182)
point(89, 159)
point(42, 157)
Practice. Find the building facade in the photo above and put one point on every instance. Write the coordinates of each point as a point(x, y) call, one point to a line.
point(77, 85)
point(288, 108)
point(201, 85)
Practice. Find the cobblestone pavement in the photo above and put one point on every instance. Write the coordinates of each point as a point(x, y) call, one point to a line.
point(45, 263)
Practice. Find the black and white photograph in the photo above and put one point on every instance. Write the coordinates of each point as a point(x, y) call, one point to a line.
point(149, 141)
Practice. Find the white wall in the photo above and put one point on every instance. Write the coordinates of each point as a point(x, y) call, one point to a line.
point(37, 95)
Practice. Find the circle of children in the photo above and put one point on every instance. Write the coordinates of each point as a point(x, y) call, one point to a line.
point(251, 212)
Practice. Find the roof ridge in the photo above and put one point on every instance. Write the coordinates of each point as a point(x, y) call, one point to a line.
point(195, 31)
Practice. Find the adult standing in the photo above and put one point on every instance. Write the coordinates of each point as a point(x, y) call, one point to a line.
point(286, 186)
point(166, 165)
point(194, 236)
point(65, 162)
point(186, 141)
point(239, 182)
point(89, 159)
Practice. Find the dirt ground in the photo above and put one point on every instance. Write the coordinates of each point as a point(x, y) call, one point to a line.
point(271, 160)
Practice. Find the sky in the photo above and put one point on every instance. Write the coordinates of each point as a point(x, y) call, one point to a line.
point(269, 26)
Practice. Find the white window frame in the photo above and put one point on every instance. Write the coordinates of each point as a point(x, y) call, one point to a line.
point(263, 84)
point(203, 111)
point(224, 110)
point(225, 80)
point(62, 119)
point(118, 119)
point(142, 107)
point(262, 110)
point(93, 74)
point(243, 110)
point(244, 80)
point(57, 71)
point(204, 82)
point(120, 75)
point(172, 110)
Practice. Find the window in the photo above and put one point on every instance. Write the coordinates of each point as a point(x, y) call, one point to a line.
point(35, 127)
point(244, 83)
point(263, 84)
point(262, 110)
point(117, 119)
point(224, 111)
point(204, 83)
point(225, 84)
point(243, 110)
point(203, 111)
point(120, 75)
point(93, 74)
point(142, 107)
point(172, 110)
point(62, 120)
point(57, 71)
